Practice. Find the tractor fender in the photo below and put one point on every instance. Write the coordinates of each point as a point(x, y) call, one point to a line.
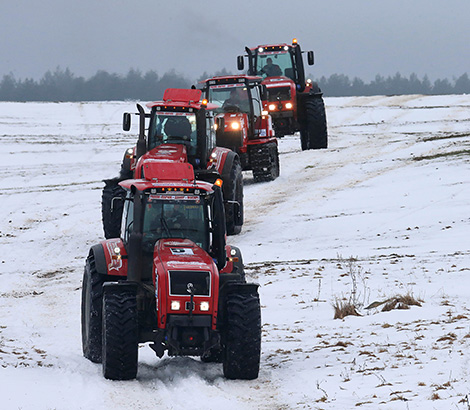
point(230, 158)
point(242, 288)
point(314, 89)
point(100, 260)
point(107, 261)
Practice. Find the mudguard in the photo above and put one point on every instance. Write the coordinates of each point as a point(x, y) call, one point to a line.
point(107, 260)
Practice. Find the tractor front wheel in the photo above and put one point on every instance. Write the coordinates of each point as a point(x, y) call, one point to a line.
point(92, 294)
point(120, 333)
point(242, 337)
point(264, 160)
point(233, 197)
point(313, 133)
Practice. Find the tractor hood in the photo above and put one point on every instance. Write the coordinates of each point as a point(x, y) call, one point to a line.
point(182, 254)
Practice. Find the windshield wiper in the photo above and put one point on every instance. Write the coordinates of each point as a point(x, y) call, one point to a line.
point(165, 226)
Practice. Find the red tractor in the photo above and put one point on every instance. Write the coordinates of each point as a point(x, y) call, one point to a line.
point(294, 103)
point(170, 279)
point(182, 119)
point(241, 124)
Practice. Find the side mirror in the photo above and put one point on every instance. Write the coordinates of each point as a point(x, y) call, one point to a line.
point(310, 58)
point(240, 63)
point(126, 121)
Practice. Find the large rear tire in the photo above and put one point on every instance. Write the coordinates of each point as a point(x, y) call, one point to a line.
point(314, 134)
point(120, 333)
point(112, 204)
point(91, 311)
point(242, 337)
point(233, 198)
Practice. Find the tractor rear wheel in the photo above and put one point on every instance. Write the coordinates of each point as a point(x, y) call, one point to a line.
point(243, 337)
point(92, 294)
point(233, 195)
point(314, 134)
point(112, 204)
point(120, 333)
point(264, 159)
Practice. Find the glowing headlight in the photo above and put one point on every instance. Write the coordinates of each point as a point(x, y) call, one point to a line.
point(215, 127)
point(261, 49)
point(264, 112)
point(272, 107)
point(204, 306)
point(289, 106)
point(286, 48)
point(213, 155)
point(235, 125)
point(130, 151)
point(175, 305)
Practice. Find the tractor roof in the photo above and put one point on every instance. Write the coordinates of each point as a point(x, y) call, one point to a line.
point(182, 98)
point(169, 187)
point(272, 47)
point(233, 79)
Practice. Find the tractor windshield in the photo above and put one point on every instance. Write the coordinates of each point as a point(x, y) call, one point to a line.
point(274, 64)
point(173, 127)
point(167, 218)
point(230, 98)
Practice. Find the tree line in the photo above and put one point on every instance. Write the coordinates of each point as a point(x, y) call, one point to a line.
point(63, 85)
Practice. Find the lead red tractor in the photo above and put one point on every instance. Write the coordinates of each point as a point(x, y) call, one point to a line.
point(182, 119)
point(169, 279)
point(242, 126)
point(294, 103)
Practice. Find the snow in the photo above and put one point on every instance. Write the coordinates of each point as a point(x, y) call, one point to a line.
point(382, 212)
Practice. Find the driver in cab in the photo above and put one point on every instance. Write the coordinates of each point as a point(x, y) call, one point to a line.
point(238, 101)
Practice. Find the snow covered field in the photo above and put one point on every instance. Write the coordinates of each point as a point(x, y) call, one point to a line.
point(384, 212)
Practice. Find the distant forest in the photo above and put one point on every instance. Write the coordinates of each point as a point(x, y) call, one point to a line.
point(63, 85)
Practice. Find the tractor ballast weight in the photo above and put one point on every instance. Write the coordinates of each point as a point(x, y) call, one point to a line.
point(294, 103)
point(170, 279)
point(242, 126)
point(180, 118)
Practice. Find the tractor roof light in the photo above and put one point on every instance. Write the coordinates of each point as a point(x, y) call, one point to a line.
point(204, 102)
point(294, 41)
point(272, 107)
point(289, 106)
point(219, 182)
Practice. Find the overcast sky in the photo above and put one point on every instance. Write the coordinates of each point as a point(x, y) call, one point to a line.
point(354, 37)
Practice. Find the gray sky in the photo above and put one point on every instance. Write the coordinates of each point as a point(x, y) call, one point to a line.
point(354, 37)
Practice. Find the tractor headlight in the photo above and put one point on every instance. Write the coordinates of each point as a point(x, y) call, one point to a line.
point(289, 106)
point(264, 112)
point(235, 125)
point(272, 107)
point(175, 305)
point(204, 306)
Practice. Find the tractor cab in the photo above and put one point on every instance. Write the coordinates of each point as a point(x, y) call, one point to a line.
point(294, 103)
point(280, 60)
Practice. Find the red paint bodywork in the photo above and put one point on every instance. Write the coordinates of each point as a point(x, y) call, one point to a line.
point(193, 259)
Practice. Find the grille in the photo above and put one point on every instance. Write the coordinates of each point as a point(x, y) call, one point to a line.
point(179, 281)
point(282, 92)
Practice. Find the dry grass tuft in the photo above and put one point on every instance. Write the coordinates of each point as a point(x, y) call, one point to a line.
point(396, 302)
point(344, 308)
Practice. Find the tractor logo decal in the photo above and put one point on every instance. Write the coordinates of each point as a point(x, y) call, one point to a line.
point(182, 251)
point(115, 258)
